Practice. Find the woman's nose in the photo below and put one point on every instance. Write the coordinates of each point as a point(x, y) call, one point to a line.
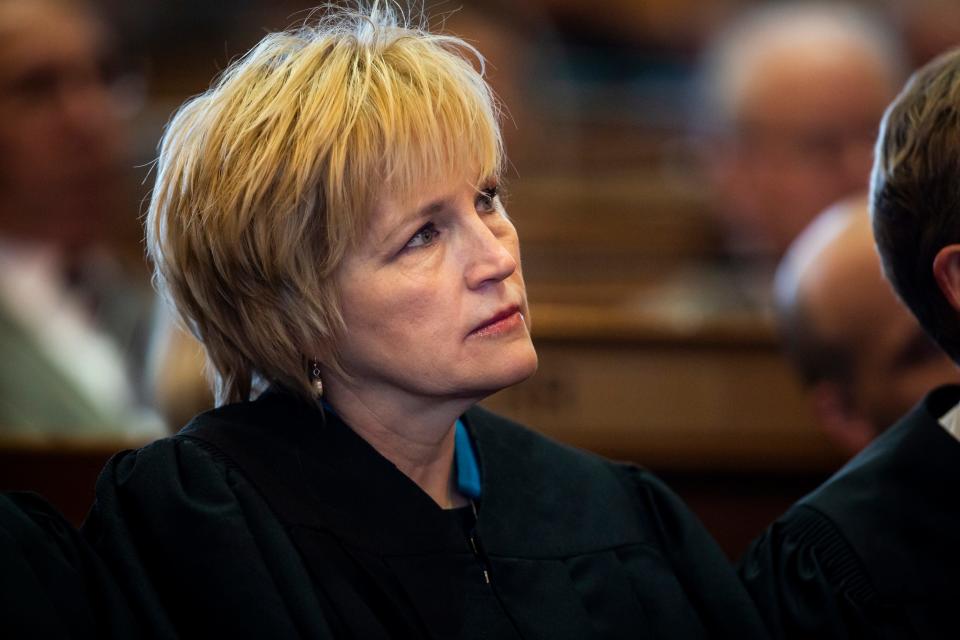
point(490, 258)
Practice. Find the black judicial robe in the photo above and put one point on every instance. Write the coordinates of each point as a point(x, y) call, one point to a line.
point(262, 520)
point(875, 550)
point(52, 585)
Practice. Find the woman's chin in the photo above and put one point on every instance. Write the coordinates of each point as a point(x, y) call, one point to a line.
point(519, 368)
point(529, 368)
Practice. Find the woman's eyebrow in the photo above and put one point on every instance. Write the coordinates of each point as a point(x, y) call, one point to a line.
point(426, 211)
point(409, 220)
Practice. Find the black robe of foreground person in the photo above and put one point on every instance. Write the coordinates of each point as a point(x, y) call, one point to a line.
point(875, 549)
point(260, 520)
point(52, 585)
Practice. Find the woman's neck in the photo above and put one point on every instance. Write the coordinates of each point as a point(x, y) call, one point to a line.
point(417, 437)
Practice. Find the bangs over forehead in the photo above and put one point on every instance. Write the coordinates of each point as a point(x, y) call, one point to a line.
point(422, 115)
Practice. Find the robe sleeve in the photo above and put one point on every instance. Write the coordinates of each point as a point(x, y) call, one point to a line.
point(52, 585)
point(873, 552)
point(808, 582)
point(706, 574)
point(197, 550)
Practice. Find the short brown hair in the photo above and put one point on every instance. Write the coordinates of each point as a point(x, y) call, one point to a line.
point(915, 193)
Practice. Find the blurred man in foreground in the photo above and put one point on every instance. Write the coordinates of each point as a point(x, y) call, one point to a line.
point(68, 313)
point(862, 357)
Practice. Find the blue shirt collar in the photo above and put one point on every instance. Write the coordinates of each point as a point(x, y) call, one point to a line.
point(465, 463)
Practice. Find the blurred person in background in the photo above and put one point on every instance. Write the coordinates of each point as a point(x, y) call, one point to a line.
point(790, 96)
point(72, 321)
point(862, 357)
point(792, 99)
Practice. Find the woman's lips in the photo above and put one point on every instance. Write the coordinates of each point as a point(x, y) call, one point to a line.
point(500, 324)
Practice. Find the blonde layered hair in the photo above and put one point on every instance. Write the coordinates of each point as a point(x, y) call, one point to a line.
point(266, 181)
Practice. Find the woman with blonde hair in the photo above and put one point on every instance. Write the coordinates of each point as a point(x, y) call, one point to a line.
point(327, 222)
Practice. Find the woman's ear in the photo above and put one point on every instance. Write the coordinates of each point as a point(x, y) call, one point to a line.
point(946, 271)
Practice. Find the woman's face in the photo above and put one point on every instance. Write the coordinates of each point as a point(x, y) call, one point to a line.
point(434, 300)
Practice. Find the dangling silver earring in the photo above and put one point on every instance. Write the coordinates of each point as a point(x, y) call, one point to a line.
point(315, 378)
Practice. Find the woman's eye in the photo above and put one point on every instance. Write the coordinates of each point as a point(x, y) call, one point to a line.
point(424, 236)
point(487, 200)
